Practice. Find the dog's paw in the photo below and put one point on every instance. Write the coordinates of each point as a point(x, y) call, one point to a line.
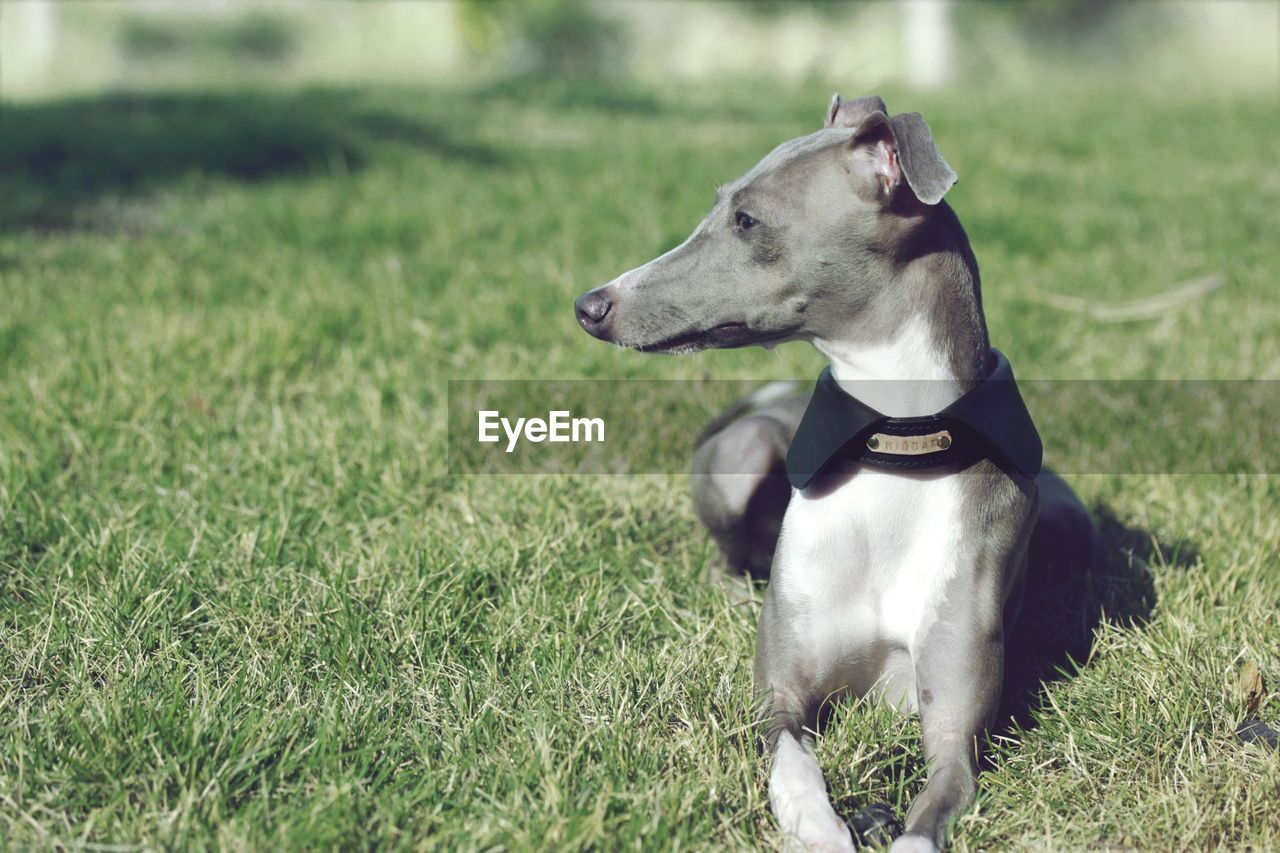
point(815, 828)
point(913, 844)
point(875, 826)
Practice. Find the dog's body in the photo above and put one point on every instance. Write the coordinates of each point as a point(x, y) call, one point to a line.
point(884, 582)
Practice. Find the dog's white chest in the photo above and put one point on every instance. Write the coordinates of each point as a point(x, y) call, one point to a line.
point(869, 561)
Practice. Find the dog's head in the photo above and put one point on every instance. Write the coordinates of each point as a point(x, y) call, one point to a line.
point(800, 244)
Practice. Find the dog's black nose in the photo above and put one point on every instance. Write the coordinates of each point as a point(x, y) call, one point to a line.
point(592, 307)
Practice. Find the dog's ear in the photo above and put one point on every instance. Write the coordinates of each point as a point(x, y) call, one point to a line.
point(852, 113)
point(928, 174)
point(874, 143)
point(903, 148)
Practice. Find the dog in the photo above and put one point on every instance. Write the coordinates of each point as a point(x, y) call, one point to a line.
point(898, 583)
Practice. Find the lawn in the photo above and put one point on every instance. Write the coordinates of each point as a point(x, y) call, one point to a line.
point(244, 604)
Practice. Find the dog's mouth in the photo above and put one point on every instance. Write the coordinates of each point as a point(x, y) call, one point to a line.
point(723, 336)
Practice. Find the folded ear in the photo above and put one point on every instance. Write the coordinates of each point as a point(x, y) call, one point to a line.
point(852, 113)
point(927, 173)
point(903, 148)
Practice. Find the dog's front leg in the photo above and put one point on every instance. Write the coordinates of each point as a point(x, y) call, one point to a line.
point(797, 791)
point(959, 668)
point(798, 797)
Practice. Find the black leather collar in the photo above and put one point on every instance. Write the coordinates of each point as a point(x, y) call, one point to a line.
point(989, 422)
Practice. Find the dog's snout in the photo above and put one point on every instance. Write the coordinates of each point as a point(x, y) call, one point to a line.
point(592, 308)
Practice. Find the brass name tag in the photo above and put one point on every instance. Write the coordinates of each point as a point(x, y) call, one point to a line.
point(909, 445)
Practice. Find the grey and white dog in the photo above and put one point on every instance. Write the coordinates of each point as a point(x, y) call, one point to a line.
point(882, 582)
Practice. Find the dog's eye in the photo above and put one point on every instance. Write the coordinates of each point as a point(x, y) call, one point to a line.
point(743, 221)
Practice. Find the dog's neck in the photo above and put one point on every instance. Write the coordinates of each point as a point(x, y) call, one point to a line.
point(935, 347)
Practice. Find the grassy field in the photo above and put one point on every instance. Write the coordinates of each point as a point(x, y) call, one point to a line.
point(243, 604)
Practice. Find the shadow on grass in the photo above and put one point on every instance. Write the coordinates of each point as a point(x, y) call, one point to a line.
point(1062, 610)
point(58, 157)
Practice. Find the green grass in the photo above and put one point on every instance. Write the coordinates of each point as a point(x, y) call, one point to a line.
point(243, 604)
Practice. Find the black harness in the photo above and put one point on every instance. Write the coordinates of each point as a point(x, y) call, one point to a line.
point(989, 422)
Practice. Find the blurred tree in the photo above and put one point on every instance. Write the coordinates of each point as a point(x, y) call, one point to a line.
point(1073, 33)
point(561, 38)
point(778, 8)
point(1066, 19)
point(255, 35)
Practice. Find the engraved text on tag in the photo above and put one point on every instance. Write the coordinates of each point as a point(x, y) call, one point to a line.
point(909, 445)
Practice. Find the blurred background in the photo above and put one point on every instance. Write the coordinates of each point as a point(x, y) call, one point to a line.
point(64, 46)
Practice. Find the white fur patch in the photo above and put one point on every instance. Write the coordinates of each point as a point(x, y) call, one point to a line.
point(868, 562)
point(906, 377)
point(798, 797)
